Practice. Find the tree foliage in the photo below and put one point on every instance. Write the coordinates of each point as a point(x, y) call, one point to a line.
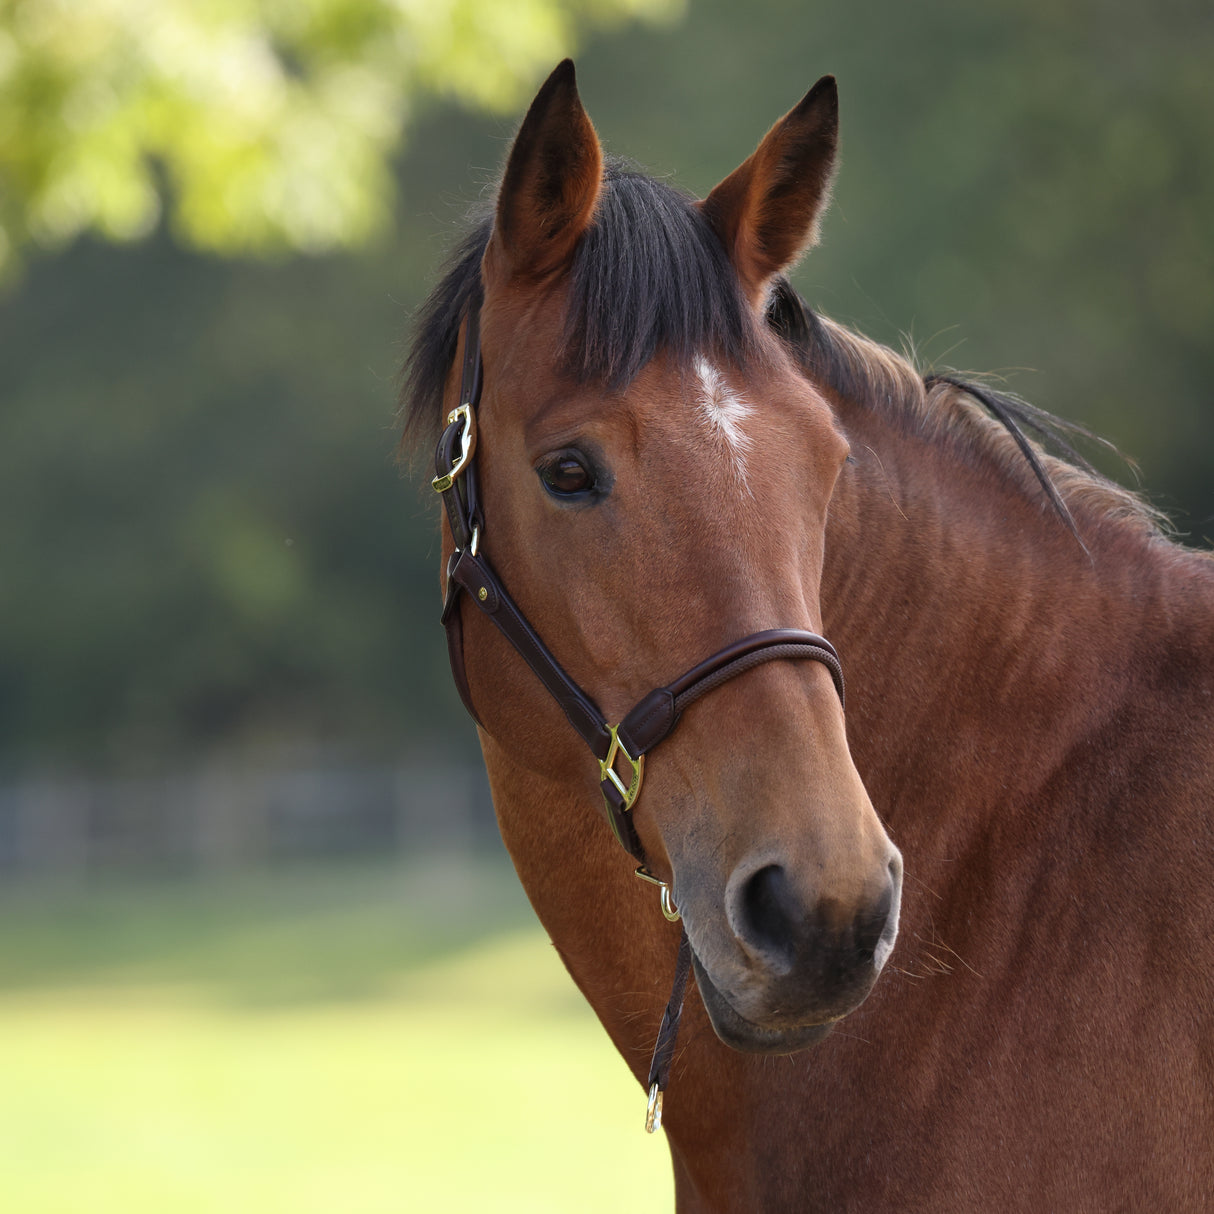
point(270, 124)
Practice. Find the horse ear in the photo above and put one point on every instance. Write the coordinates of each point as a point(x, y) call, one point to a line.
point(766, 211)
point(550, 186)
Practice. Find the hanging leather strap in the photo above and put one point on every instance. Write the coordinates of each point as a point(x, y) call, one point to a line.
point(668, 1035)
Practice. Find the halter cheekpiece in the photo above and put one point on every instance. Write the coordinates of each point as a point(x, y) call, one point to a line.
point(619, 749)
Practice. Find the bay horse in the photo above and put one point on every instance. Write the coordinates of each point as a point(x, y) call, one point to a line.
point(668, 481)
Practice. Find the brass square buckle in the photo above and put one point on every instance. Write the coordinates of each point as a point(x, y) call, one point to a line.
point(607, 769)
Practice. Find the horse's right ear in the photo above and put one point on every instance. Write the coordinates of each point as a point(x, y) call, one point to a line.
point(550, 186)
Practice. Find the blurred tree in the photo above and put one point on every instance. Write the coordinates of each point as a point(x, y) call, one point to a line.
point(270, 123)
point(204, 541)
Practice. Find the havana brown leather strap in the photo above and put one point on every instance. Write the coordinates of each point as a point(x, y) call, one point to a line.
point(475, 575)
point(656, 715)
point(668, 1035)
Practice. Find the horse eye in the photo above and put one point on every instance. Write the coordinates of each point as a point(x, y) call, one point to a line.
point(565, 474)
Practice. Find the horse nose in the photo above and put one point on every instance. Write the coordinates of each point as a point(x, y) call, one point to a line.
point(793, 930)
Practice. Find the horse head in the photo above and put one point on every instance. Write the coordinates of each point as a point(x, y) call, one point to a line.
point(656, 473)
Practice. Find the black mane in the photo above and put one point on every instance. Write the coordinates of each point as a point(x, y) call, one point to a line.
point(648, 275)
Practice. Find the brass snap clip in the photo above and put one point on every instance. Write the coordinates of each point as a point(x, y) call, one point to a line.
point(668, 907)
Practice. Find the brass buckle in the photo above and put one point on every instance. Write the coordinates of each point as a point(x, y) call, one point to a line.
point(467, 446)
point(607, 769)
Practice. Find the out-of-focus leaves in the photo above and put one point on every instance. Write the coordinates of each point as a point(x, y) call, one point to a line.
point(269, 126)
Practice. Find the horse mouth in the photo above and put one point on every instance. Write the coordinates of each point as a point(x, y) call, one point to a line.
point(747, 1037)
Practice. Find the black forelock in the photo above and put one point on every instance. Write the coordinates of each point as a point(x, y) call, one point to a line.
point(649, 275)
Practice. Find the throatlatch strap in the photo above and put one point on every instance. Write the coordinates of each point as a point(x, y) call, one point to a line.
point(453, 623)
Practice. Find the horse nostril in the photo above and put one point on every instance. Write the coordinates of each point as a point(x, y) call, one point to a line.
point(771, 916)
point(780, 924)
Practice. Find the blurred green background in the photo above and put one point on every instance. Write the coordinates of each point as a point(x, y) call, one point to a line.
point(259, 947)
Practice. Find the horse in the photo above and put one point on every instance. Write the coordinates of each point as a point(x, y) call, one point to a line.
point(949, 926)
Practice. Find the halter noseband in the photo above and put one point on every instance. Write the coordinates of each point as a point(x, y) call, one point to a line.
point(620, 749)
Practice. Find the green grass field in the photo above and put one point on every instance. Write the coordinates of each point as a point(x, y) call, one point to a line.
point(370, 1038)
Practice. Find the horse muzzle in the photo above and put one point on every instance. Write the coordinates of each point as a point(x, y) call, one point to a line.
point(786, 961)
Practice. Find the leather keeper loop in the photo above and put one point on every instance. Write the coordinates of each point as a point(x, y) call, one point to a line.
point(648, 722)
point(620, 821)
point(477, 579)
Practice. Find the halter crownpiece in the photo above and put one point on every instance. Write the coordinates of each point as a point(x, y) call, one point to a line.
point(620, 749)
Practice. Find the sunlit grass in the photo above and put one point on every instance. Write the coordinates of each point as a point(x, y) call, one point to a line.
point(311, 1043)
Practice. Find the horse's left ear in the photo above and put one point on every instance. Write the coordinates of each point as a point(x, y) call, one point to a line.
point(552, 181)
point(766, 212)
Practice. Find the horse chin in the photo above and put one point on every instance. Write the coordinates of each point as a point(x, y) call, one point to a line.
point(747, 1037)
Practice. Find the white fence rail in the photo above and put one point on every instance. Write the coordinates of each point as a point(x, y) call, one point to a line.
point(225, 816)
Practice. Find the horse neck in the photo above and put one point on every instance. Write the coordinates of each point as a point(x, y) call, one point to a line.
point(982, 639)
